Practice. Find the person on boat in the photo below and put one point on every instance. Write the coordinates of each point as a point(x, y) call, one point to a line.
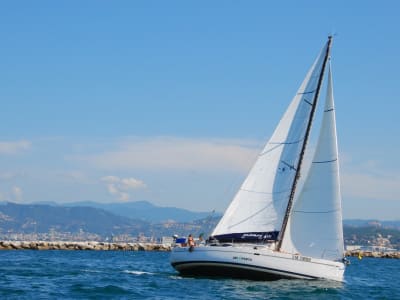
point(191, 243)
point(201, 239)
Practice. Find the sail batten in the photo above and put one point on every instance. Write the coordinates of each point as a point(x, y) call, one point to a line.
point(305, 93)
point(325, 161)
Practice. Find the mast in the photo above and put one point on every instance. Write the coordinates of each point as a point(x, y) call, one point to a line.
point(299, 164)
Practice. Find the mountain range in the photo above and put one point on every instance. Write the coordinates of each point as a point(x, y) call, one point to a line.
point(372, 222)
point(145, 211)
point(133, 219)
point(104, 220)
point(29, 218)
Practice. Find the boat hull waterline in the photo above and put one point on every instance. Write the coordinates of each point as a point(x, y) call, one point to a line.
point(252, 262)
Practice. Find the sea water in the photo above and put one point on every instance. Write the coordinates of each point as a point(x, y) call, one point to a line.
point(29, 274)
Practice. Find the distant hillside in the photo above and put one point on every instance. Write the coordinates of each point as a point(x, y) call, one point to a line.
point(372, 222)
point(372, 235)
point(46, 218)
point(31, 218)
point(146, 211)
point(82, 221)
point(203, 226)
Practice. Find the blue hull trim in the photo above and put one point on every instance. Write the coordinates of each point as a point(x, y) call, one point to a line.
point(233, 270)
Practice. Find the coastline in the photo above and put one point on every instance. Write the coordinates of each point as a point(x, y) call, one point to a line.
point(89, 245)
point(122, 246)
point(361, 254)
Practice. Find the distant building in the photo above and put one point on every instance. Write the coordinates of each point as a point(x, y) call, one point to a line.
point(378, 249)
point(167, 240)
point(353, 247)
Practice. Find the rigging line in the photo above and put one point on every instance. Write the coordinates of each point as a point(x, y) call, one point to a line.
point(291, 167)
point(330, 109)
point(324, 161)
point(249, 217)
point(277, 145)
point(308, 102)
point(255, 192)
point(286, 143)
point(270, 150)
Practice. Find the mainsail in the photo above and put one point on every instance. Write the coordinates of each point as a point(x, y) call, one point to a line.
point(315, 223)
point(258, 209)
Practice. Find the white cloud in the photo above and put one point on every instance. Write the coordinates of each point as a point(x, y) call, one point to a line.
point(371, 186)
point(124, 196)
point(14, 147)
point(17, 193)
point(369, 180)
point(5, 176)
point(73, 176)
point(111, 179)
point(177, 154)
point(132, 183)
point(112, 189)
point(120, 187)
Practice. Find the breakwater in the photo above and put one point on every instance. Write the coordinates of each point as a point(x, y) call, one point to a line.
point(120, 246)
point(360, 254)
point(62, 245)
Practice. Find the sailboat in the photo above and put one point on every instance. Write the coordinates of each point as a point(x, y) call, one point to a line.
point(283, 222)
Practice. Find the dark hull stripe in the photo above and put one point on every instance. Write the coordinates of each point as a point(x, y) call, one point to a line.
point(234, 270)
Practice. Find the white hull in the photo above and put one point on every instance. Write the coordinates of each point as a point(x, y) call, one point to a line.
point(252, 262)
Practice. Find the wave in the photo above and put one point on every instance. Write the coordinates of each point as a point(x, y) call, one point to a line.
point(92, 271)
point(135, 272)
point(177, 277)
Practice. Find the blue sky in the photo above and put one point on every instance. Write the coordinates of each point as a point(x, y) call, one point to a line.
point(170, 101)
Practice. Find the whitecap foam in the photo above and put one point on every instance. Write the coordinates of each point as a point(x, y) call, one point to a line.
point(176, 277)
point(135, 272)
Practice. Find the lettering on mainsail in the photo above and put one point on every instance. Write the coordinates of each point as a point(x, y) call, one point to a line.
point(299, 164)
